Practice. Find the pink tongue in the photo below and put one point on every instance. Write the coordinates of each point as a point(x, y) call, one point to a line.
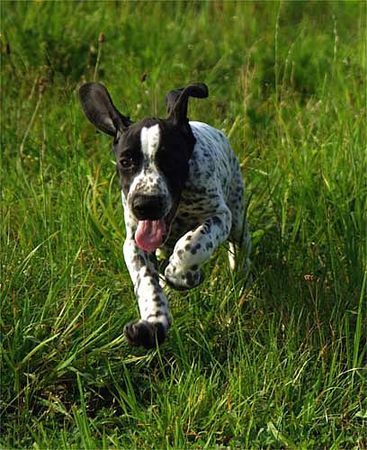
point(149, 234)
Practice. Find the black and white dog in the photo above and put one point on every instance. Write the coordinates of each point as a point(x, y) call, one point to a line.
point(182, 193)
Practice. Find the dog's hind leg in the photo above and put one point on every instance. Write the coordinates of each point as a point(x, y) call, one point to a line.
point(239, 238)
point(239, 250)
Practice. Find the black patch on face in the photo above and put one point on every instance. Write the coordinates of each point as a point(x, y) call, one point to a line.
point(173, 155)
point(129, 155)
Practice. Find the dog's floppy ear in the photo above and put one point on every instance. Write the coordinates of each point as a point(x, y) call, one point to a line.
point(177, 100)
point(100, 110)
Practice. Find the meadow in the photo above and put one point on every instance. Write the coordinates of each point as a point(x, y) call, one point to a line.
point(280, 366)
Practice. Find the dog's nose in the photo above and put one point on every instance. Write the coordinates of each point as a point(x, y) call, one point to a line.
point(148, 207)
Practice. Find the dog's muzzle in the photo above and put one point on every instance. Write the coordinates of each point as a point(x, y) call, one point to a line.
point(151, 212)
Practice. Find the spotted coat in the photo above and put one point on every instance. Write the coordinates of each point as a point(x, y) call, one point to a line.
point(201, 211)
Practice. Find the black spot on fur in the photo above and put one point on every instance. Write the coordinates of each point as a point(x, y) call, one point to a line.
point(195, 249)
point(216, 221)
point(159, 303)
point(157, 291)
point(206, 227)
point(138, 261)
point(156, 314)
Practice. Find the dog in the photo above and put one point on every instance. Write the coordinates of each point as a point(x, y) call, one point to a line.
point(182, 193)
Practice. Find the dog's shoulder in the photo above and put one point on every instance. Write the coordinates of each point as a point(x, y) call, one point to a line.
point(208, 137)
point(213, 159)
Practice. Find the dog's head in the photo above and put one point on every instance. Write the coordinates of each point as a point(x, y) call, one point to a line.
point(152, 157)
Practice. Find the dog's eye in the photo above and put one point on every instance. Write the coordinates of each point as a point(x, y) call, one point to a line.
point(126, 162)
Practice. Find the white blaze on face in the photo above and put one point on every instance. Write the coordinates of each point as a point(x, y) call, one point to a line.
point(150, 138)
point(150, 234)
point(149, 180)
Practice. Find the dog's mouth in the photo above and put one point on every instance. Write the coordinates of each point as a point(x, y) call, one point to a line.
point(150, 234)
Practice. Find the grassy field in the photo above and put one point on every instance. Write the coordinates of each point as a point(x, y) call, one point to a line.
point(283, 366)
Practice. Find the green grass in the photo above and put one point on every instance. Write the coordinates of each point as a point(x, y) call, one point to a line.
point(283, 366)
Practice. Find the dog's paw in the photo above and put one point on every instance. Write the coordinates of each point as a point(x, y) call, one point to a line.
point(144, 333)
point(183, 280)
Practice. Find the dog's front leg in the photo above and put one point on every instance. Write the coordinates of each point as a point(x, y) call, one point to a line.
point(196, 247)
point(153, 305)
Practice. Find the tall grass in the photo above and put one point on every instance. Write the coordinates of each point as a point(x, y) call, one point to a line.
point(283, 366)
